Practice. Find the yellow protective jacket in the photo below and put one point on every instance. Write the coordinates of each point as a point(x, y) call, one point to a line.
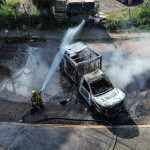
point(37, 100)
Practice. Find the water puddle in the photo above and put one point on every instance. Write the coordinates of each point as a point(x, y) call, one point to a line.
point(26, 70)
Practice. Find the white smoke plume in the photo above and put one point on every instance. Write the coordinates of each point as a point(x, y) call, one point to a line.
point(124, 67)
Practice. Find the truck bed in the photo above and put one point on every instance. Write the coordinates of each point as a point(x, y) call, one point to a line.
point(79, 60)
point(79, 53)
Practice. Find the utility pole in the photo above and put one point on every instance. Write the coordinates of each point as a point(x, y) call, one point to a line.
point(29, 17)
point(27, 10)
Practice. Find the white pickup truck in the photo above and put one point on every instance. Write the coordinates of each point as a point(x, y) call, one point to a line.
point(83, 67)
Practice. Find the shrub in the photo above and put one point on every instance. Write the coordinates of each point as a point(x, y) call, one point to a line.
point(14, 4)
point(7, 15)
point(8, 12)
point(139, 18)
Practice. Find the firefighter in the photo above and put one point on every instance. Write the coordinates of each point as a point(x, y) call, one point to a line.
point(36, 100)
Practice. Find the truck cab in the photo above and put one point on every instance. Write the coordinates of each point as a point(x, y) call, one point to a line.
point(97, 90)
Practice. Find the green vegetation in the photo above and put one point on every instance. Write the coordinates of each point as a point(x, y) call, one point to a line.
point(137, 18)
point(42, 16)
point(8, 12)
point(13, 4)
point(11, 17)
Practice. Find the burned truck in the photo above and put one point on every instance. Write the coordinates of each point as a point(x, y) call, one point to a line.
point(83, 67)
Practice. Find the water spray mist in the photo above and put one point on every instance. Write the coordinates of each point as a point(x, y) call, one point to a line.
point(68, 38)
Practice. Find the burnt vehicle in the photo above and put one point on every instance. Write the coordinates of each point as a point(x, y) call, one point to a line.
point(83, 66)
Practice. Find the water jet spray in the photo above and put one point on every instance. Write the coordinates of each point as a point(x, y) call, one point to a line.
point(68, 38)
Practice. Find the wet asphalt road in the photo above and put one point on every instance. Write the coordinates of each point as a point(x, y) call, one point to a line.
point(24, 67)
point(45, 137)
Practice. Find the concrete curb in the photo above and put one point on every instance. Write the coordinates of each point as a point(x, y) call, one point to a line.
point(74, 126)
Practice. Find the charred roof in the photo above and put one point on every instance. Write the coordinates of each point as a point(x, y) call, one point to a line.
point(93, 75)
point(80, 53)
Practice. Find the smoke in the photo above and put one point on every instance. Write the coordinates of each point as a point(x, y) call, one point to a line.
point(68, 38)
point(28, 77)
point(125, 67)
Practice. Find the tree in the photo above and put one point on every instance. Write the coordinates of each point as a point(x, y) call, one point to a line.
point(46, 9)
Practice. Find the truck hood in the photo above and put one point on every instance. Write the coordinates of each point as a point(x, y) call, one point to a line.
point(110, 99)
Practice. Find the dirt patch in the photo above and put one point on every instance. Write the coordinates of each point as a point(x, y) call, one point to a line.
point(111, 5)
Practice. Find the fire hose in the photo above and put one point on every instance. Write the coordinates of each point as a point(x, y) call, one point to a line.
point(76, 120)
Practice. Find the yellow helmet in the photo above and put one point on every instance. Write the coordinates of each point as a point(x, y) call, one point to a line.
point(34, 92)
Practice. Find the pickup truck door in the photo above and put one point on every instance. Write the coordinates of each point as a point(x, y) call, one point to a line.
point(85, 91)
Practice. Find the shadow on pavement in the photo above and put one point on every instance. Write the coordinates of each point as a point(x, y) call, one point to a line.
point(5, 71)
point(135, 3)
point(119, 122)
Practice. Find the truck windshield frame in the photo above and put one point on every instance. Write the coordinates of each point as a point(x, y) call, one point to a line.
point(85, 85)
point(101, 86)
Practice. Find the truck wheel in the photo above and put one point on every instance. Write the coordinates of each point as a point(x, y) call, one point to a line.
point(92, 107)
point(96, 112)
point(80, 98)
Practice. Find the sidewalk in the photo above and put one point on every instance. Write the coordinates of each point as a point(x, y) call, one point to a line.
point(75, 137)
point(88, 34)
point(128, 35)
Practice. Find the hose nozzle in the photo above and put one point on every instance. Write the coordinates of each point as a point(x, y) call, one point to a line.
point(40, 92)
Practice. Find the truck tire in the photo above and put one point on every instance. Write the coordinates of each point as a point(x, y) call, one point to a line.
point(80, 98)
point(97, 112)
